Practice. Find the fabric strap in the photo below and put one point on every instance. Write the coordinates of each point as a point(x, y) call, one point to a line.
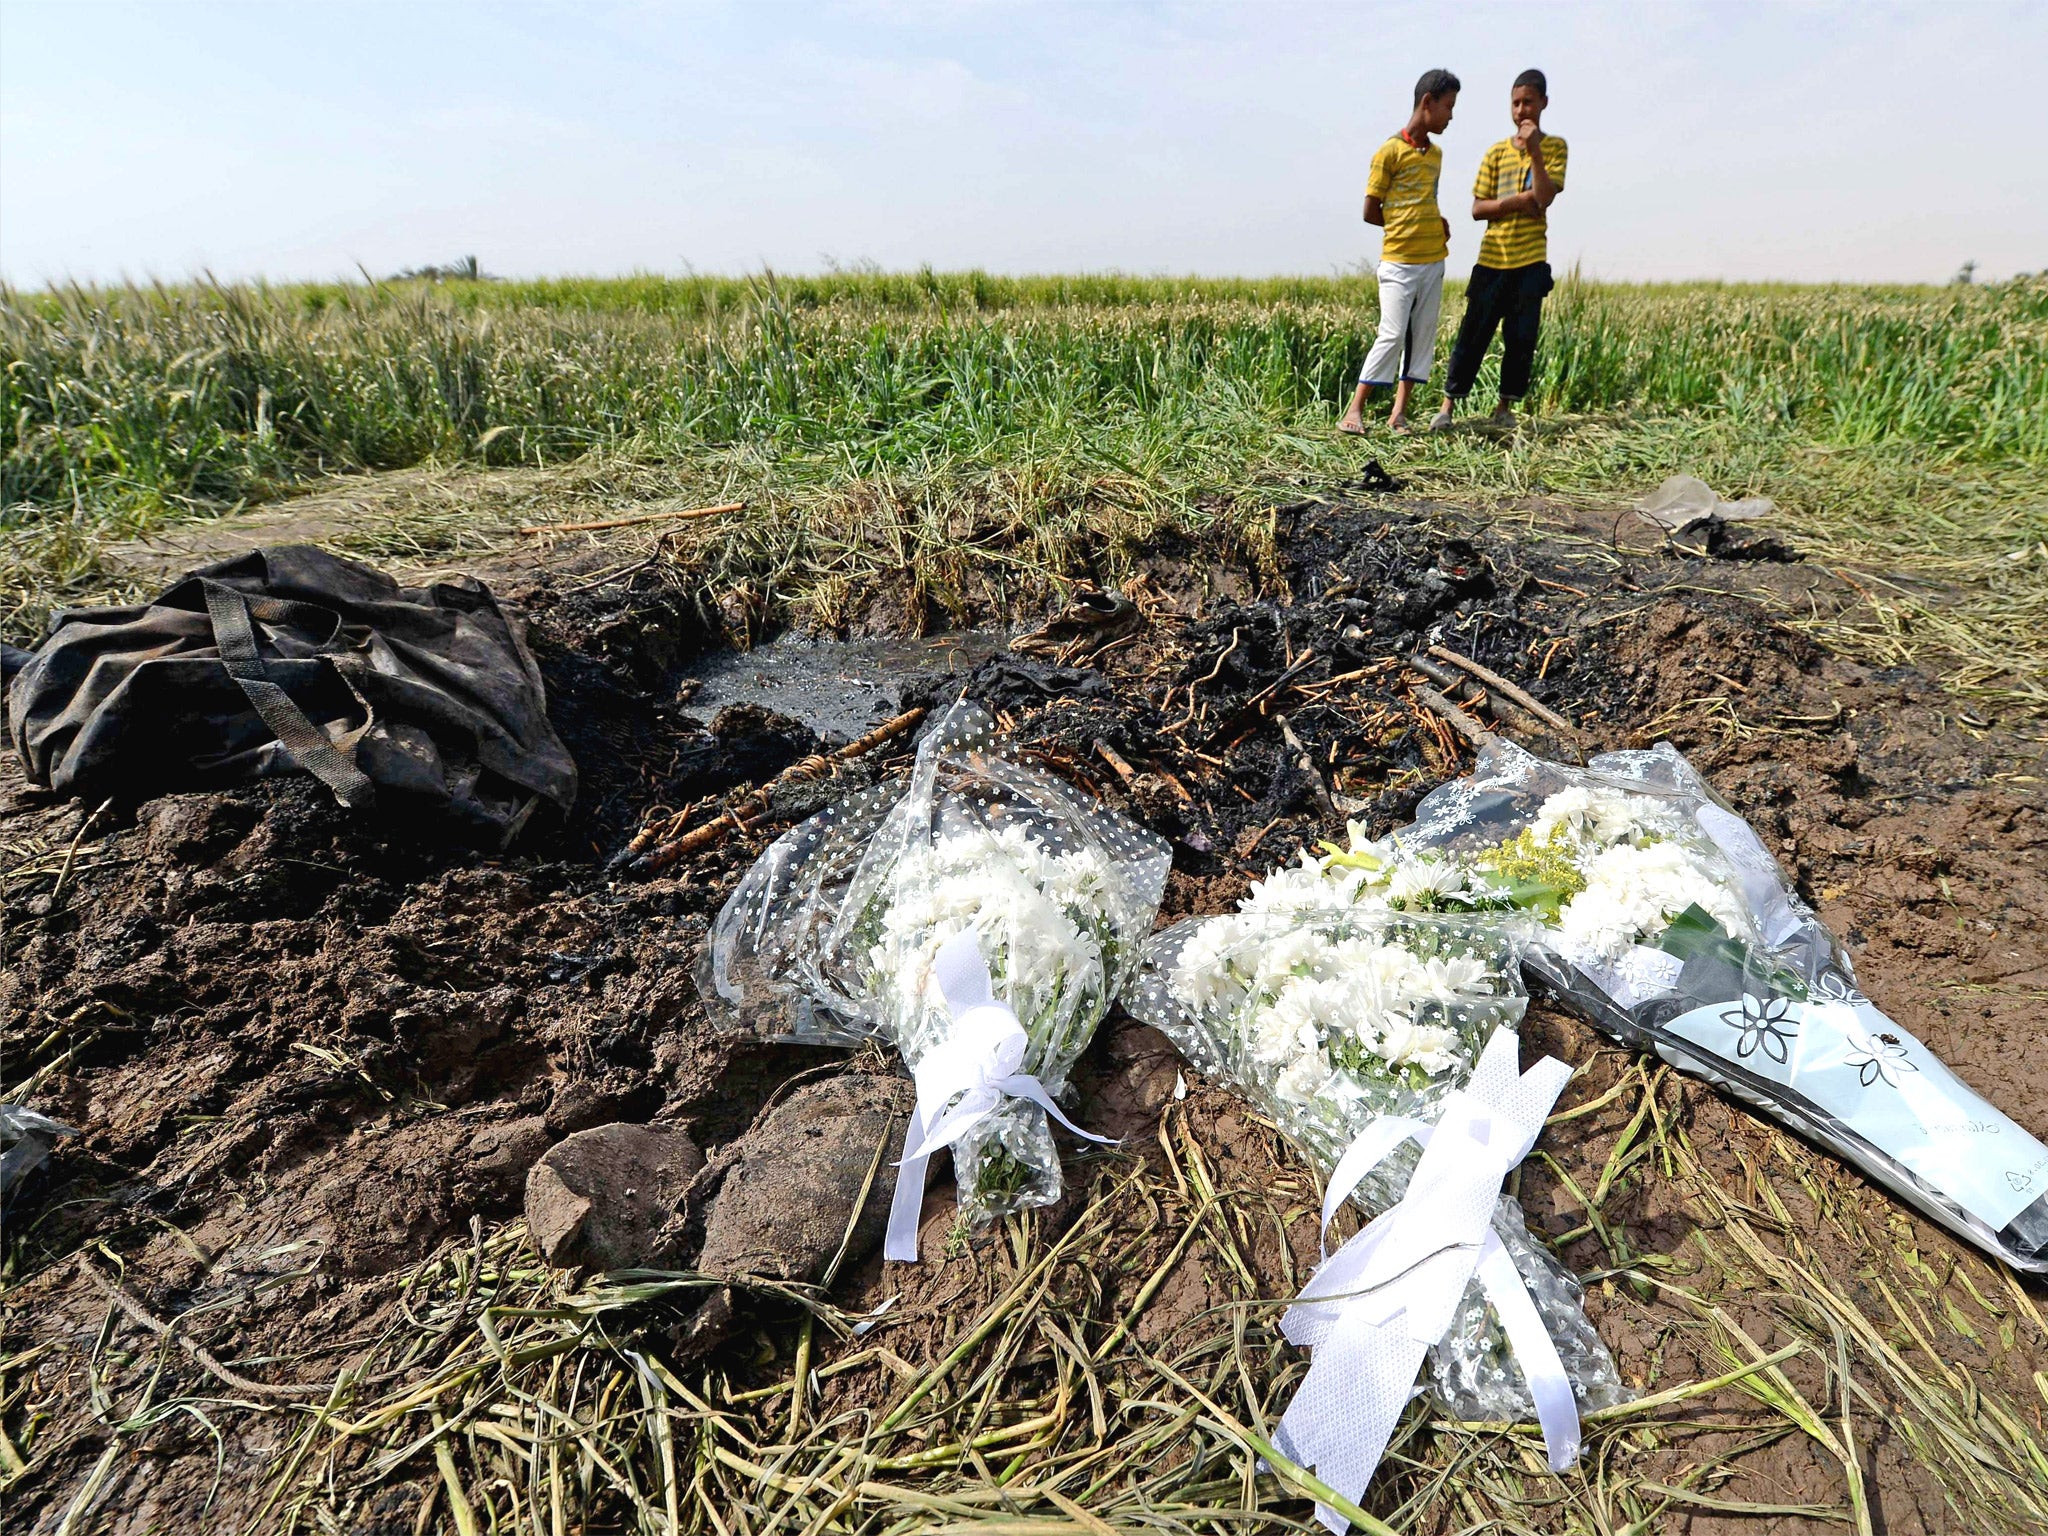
point(1372, 1310)
point(234, 632)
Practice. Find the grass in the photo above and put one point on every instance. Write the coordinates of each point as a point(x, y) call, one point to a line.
point(171, 399)
point(1902, 430)
point(508, 1397)
point(965, 436)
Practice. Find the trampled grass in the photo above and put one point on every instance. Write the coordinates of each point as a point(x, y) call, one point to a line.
point(506, 1397)
point(1900, 428)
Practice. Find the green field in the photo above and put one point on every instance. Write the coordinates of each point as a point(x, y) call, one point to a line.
point(970, 443)
point(1903, 430)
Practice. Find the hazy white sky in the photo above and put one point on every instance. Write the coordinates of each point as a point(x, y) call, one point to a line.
point(294, 140)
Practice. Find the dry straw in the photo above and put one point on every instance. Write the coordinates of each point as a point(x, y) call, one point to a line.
point(1056, 1394)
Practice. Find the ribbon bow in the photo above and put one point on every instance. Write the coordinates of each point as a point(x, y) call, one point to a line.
point(1372, 1310)
point(961, 1081)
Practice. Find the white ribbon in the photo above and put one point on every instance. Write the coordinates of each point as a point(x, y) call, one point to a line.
point(961, 1081)
point(1372, 1310)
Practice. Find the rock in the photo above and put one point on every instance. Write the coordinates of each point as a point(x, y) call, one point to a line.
point(787, 1188)
point(781, 1195)
point(602, 1197)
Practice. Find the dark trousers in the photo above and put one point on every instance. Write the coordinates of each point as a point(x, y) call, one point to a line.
point(1512, 302)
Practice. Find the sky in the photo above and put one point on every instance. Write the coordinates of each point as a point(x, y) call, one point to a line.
point(322, 138)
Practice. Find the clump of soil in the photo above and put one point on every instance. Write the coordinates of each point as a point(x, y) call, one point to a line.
point(802, 1192)
point(304, 1050)
point(601, 1197)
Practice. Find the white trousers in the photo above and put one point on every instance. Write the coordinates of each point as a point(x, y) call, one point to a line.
point(1410, 297)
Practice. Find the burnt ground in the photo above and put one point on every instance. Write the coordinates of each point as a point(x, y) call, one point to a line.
point(305, 1051)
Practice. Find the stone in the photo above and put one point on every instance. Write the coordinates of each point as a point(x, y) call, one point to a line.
point(601, 1198)
point(789, 1185)
point(782, 1196)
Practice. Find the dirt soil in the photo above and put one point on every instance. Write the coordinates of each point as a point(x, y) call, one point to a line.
point(305, 1051)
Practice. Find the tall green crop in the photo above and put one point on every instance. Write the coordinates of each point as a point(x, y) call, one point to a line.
point(147, 401)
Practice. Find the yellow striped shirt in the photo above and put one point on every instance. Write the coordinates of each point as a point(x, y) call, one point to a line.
point(1404, 179)
point(1522, 240)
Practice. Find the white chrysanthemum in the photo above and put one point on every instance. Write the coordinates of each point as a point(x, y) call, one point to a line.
point(1301, 890)
point(1081, 874)
point(1632, 893)
point(1426, 882)
point(1290, 953)
point(1354, 883)
point(1453, 978)
point(1027, 905)
point(1428, 1046)
point(1382, 982)
point(1203, 977)
point(1305, 1079)
point(1359, 956)
point(1293, 1025)
point(1329, 884)
point(1383, 849)
point(1602, 817)
point(1367, 892)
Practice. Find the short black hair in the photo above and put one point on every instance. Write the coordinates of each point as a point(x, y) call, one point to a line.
point(1436, 82)
point(1533, 77)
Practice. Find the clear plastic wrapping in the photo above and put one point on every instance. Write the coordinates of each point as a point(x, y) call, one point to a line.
point(1666, 922)
point(830, 936)
point(1328, 1008)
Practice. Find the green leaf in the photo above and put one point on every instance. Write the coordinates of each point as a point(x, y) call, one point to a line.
point(1532, 893)
point(1694, 933)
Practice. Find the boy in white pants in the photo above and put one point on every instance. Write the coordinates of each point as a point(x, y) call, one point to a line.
point(1400, 197)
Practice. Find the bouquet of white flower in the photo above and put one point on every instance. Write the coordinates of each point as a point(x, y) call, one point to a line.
point(1326, 997)
point(1349, 1012)
point(1667, 923)
point(980, 918)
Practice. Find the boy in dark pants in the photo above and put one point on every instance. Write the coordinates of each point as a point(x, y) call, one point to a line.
point(1518, 180)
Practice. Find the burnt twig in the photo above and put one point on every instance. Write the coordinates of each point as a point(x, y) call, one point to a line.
point(1465, 725)
point(1510, 691)
point(746, 813)
point(1123, 769)
point(1253, 707)
point(1221, 657)
point(1449, 681)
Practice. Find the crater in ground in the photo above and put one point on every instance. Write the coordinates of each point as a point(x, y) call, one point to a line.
point(305, 1051)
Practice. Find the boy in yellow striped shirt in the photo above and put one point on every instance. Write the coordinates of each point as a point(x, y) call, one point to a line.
point(1400, 197)
point(1518, 180)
